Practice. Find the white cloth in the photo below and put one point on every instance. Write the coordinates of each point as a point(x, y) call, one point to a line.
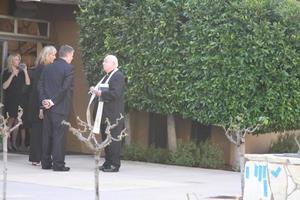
point(96, 126)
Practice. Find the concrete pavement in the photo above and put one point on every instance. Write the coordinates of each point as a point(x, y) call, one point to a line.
point(135, 181)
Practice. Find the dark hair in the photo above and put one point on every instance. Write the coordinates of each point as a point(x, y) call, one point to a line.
point(64, 50)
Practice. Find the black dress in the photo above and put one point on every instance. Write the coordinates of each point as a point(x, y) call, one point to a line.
point(13, 95)
point(36, 123)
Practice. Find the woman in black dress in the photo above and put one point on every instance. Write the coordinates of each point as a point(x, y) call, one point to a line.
point(14, 80)
point(46, 56)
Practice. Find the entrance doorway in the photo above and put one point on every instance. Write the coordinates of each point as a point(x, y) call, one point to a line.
point(25, 37)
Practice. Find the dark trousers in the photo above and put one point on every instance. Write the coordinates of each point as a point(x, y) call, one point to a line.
point(36, 141)
point(113, 150)
point(53, 140)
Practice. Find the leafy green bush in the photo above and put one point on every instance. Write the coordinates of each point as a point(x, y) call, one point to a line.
point(186, 155)
point(211, 156)
point(157, 155)
point(134, 152)
point(151, 154)
point(204, 154)
point(284, 144)
point(207, 60)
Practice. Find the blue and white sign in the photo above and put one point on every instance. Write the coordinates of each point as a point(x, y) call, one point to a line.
point(266, 180)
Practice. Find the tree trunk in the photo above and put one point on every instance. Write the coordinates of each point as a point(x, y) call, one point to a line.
point(172, 143)
point(128, 129)
point(97, 160)
point(241, 150)
point(236, 160)
point(4, 139)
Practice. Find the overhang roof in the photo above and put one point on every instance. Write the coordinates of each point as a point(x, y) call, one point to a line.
point(52, 1)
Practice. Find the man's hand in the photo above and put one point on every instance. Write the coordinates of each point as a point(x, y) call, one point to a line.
point(47, 103)
point(93, 90)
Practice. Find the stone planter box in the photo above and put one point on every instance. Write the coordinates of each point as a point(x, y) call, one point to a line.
point(272, 177)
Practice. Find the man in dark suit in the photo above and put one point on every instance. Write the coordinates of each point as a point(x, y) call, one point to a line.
point(113, 106)
point(55, 92)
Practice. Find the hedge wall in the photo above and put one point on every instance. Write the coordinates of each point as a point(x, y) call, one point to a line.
point(207, 60)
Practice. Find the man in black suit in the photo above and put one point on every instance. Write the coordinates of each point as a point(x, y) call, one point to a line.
point(55, 92)
point(113, 106)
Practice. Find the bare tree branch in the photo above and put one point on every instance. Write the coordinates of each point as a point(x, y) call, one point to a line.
point(91, 141)
point(252, 130)
point(297, 142)
point(5, 131)
point(83, 124)
point(229, 135)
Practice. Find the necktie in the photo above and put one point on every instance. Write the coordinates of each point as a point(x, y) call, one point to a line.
point(105, 78)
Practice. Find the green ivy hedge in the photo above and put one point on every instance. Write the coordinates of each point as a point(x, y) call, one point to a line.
point(208, 60)
point(205, 154)
point(285, 143)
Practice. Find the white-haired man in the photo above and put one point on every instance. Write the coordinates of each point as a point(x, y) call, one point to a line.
point(113, 105)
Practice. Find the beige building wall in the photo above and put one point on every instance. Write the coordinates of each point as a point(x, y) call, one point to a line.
point(218, 137)
point(260, 143)
point(139, 125)
point(183, 129)
point(139, 128)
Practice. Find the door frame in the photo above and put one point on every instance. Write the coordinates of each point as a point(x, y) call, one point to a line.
point(4, 48)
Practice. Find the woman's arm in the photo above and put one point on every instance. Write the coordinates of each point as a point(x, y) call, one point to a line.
point(27, 79)
point(7, 83)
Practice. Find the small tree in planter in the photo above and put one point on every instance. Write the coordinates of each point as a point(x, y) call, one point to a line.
point(92, 143)
point(5, 131)
point(236, 133)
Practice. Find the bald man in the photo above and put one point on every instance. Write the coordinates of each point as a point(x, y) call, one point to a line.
point(113, 106)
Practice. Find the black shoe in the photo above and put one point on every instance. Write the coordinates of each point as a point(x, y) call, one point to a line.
point(104, 167)
point(111, 169)
point(61, 169)
point(11, 148)
point(47, 167)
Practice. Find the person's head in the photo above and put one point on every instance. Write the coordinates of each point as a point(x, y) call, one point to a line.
point(13, 61)
point(110, 62)
point(46, 56)
point(66, 52)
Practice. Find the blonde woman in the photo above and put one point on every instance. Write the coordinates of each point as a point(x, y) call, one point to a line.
point(45, 57)
point(14, 79)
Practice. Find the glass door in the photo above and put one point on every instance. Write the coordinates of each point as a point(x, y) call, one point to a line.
point(3, 55)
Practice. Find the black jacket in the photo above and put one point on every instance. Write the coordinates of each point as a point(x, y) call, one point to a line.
point(113, 98)
point(56, 83)
point(34, 103)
